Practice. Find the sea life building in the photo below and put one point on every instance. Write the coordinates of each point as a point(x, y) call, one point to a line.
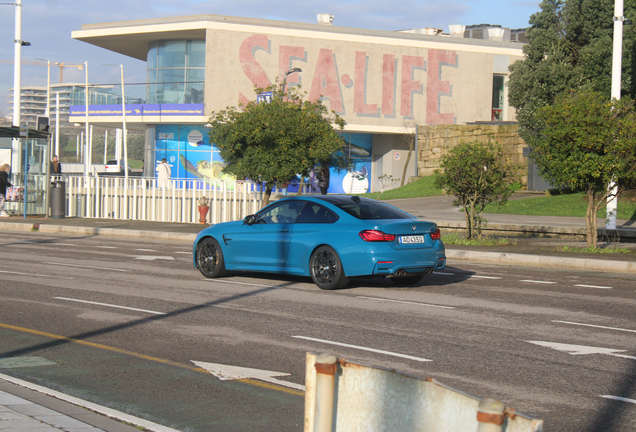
point(384, 83)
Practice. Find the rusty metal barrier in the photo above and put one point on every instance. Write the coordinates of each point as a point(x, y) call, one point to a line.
point(347, 396)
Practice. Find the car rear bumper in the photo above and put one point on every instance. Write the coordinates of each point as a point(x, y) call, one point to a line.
point(382, 259)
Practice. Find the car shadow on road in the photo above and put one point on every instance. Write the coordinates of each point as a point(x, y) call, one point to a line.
point(449, 276)
point(118, 327)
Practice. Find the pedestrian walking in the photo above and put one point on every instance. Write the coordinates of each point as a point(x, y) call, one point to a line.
point(163, 174)
point(4, 183)
point(56, 166)
point(323, 179)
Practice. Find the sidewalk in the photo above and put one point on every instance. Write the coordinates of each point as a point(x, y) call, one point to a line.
point(29, 407)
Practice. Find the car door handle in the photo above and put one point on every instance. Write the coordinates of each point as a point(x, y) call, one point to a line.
point(283, 230)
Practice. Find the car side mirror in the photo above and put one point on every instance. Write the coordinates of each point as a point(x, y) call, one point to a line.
point(250, 219)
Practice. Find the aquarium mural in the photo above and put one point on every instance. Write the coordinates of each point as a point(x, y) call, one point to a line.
point(191, 156)
point(189, 153)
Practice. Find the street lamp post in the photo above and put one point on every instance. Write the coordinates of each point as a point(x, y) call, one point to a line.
point(123, 116)
point(86, 126)
point(291, 71)
point(617, 57)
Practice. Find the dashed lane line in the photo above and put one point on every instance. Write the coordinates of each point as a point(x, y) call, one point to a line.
point(110, 305)
point(536, 281)
point(406, 302)
point(595, 326)
point(83, 266)
point(619, 398)
point(36, 275)
point(593, 286)
point(389, 353)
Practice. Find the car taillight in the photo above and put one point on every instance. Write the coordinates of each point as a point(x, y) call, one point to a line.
point(376, 236)
point(436, 235)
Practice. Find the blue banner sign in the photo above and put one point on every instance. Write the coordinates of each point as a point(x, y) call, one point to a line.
point(135, 110)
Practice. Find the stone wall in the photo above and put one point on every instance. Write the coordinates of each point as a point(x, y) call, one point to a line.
point(434, 141)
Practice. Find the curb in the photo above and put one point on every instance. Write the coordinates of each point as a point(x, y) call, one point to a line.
point(539, 230)
point(455, 254)
point(91, 231)
point(542, 261)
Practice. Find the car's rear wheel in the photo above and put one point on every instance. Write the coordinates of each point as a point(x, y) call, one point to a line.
point(408, 280)
point(326, 269)
point(210, 259)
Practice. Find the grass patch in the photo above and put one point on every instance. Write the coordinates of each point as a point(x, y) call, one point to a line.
point(592, 250)
point(568, 205)
point(422, 187)
point(461, 240)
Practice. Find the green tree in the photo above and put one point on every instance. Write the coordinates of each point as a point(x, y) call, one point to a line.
point(569, 47)
point(271, 143)
point(584, 142)
point(476, 174)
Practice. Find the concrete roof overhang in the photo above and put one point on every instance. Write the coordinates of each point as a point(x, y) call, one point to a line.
point(131, 38)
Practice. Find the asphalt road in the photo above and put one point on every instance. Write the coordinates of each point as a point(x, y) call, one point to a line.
point(119, 322)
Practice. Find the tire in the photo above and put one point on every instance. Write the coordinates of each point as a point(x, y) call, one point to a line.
point(408, 280)
point(210, 260)
point(326, 269)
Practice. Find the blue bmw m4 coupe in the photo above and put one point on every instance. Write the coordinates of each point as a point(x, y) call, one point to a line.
point(329, 238)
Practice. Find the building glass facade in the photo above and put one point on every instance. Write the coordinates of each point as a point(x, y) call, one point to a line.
point(176, 72)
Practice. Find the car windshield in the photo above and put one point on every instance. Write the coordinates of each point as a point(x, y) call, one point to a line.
point(366, 209)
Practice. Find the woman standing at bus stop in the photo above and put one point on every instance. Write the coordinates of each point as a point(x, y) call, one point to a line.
point(4, 182)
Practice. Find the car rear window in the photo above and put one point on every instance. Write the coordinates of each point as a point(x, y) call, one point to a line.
point(367, 209)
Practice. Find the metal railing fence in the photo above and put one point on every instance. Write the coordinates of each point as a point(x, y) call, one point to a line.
point(145, 199)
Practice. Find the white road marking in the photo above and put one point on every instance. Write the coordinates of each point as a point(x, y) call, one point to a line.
point(187, 253)
point(536, 281)
point(228, 372)
point(406, 302)
point(239, 283)
point(34, 274)
point(582, 349)
point(110, 305)
point(64, 244)
point(596, 326)
point(593, 286)
point(152, 257)
point(483, 277)
point(146, 250)
point(83, 266)
point(445, 274)
point(107, 247)
point(363, 348)
point(618, 398)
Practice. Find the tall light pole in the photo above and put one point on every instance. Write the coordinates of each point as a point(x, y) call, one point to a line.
point(617, 57)
point(123, 116)
point(17, 75)
point(87, 152)
point(291, 71)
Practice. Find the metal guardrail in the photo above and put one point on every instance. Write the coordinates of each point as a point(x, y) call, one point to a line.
point(347, 396)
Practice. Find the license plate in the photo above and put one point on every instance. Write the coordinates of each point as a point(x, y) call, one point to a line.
point(411, 239)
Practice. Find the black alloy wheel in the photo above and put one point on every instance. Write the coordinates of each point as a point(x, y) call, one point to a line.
point(326, 269)
point(210, 259)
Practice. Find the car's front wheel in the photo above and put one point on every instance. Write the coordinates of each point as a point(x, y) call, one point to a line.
point(210, 259)
point(326, 269)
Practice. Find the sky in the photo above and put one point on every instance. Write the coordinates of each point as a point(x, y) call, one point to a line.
point(47, 25)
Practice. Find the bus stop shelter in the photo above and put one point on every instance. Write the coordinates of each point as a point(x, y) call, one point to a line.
point(27, 151)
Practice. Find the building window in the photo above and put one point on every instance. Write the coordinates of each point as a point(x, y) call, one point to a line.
point(176, 71)
point(497, 97)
